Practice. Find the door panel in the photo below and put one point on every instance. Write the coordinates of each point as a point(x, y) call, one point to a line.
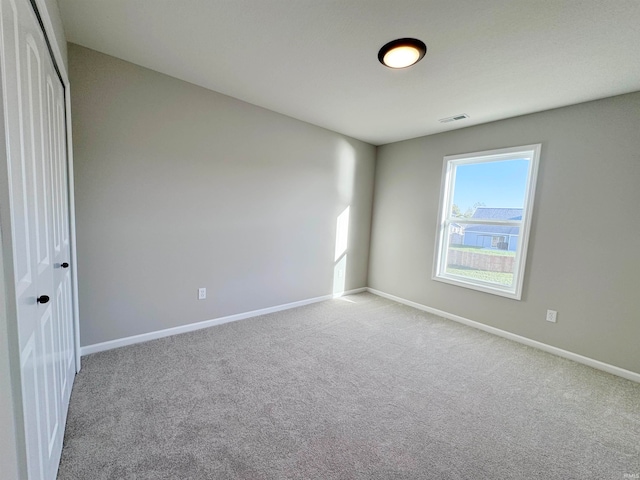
point(38, 142)
point(67, 343)
point(16, 159)
point(50, 397)
point(31, 401)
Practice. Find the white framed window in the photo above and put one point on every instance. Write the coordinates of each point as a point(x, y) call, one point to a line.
point(486, 202)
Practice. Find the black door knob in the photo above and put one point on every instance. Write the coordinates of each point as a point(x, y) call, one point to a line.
point(43, 299)
point(64, 265)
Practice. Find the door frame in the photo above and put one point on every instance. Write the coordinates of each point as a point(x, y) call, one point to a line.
point(8, 309)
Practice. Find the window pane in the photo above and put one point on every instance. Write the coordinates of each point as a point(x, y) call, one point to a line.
point(483, 252)
point(497, 184)
point(484, 221)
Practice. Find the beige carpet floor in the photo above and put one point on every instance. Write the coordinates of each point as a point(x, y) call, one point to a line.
point(352, 388)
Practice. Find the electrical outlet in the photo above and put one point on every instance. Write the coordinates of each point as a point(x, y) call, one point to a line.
point(202, 293)
point(552, 316)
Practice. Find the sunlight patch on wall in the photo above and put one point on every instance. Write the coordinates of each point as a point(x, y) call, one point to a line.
point(342, 234)
point(340, 258)
point(346, 168)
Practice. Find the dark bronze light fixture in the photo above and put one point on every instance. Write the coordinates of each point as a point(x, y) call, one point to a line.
point(402, 53)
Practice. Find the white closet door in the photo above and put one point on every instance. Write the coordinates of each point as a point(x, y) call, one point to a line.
point(33, 100)
point(61, 245)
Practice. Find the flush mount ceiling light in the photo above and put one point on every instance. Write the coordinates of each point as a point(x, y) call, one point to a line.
point(402, 53)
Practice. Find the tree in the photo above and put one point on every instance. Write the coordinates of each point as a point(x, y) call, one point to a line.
point(471, 210)
point(456, 212)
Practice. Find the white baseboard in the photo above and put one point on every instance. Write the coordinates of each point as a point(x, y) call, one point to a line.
point(145, 337)
point(621, 372)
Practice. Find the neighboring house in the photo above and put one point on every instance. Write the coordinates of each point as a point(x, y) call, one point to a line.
point(493, 236)
point(456, 234)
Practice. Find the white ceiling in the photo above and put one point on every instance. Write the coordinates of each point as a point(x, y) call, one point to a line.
point(316, 60)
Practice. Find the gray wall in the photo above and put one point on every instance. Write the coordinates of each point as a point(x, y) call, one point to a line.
point(583, 256)
point(178, 187)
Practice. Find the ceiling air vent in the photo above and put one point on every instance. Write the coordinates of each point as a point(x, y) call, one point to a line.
point(455, 118)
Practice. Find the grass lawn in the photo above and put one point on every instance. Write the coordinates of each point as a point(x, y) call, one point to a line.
point(495, 277)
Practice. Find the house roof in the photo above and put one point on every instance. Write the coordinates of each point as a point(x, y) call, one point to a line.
point(498, 213)
point(491, 213)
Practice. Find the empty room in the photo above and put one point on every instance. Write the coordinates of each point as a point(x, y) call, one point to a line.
point(320, 239)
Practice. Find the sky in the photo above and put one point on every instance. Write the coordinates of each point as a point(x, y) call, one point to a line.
point(496, 184)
